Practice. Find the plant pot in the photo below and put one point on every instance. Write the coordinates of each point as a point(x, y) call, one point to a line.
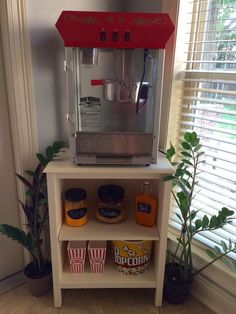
point(38, 284)
point(175, 291)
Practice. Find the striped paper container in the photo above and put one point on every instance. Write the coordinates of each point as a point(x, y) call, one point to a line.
point(76, 252)
point(97, 255)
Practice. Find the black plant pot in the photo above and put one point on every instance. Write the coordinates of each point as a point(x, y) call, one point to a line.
point(175, 291)
point(38, 284)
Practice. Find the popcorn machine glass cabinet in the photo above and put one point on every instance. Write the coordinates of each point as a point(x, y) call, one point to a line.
point(114, 104)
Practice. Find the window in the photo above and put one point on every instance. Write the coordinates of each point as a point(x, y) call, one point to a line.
point(208, 106)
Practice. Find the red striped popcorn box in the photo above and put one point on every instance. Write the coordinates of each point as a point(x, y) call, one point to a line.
point(76, 252)
point(97, 254)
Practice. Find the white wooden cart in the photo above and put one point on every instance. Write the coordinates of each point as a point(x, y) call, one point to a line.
point(61, 174)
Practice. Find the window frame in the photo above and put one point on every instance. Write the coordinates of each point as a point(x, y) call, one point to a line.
point(218, 272)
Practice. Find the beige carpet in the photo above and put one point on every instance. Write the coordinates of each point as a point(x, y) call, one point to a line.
point(94, 301)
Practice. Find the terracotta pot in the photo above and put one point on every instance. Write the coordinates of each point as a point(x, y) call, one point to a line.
point(38, 284)
point(175, 291)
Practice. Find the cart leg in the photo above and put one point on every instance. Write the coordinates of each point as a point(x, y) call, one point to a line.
point(57, 298)
point(158, 298)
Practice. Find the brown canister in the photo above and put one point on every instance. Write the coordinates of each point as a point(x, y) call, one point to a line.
point(111, 208)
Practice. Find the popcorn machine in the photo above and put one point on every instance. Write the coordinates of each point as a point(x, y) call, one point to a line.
point(114, 70)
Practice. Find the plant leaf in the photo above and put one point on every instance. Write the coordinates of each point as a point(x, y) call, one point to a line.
point(187, 137)
point(189, 174)
point(205, 222)
point(180, 218)
point(31, 193)
point(217, 250)
point(181, 195)
point(30, 173)
point(229, 263)
point(187, 162)
point(38, 178)
point(187, 184)
point(179, 172)
point(211, 253)
point(224, 246)
point(193, 136)
point(57, 146)
point(197, 147)
point(168, 178)
point(195, 142)
point(193, 214)
point(183, 206)
point(186, 146)
point(15, 234)
point(198, 224)
point(213, 222)
point(227, 212)
point(186, 154)
point(49, 152)
point(200, 154)
point(180, 166)
point(41, 159)
point(24, 180)
point(170, 152)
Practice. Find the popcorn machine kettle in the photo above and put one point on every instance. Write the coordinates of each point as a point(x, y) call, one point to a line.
point(114, 70)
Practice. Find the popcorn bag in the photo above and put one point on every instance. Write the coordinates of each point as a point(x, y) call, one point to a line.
point(97, 254)
point(76, 253)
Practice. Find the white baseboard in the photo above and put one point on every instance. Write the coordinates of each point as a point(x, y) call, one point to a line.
point(11, 282)
point(213, 296)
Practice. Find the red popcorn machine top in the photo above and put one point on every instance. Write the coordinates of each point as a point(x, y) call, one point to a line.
point(114, 70)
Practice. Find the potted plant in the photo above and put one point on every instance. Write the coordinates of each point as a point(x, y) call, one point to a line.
point(35, 207)
point(180, 272)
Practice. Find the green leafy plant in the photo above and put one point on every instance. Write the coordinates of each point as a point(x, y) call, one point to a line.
point(35, 208)
point(184, 181)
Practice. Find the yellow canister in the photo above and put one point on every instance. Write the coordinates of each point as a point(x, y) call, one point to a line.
point(75, 207)
point(131, 257)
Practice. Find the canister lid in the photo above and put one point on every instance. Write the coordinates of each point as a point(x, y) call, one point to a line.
point(111, 192)
point(75, 195)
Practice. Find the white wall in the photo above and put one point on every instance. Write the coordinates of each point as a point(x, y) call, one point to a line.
point(148, 6)
point(47, 57)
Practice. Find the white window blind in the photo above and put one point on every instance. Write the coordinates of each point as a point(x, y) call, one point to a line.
point(208, 106)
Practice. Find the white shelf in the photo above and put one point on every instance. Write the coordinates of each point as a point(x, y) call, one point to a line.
point(111, 278)
point(96, 230)
point(64, 170)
